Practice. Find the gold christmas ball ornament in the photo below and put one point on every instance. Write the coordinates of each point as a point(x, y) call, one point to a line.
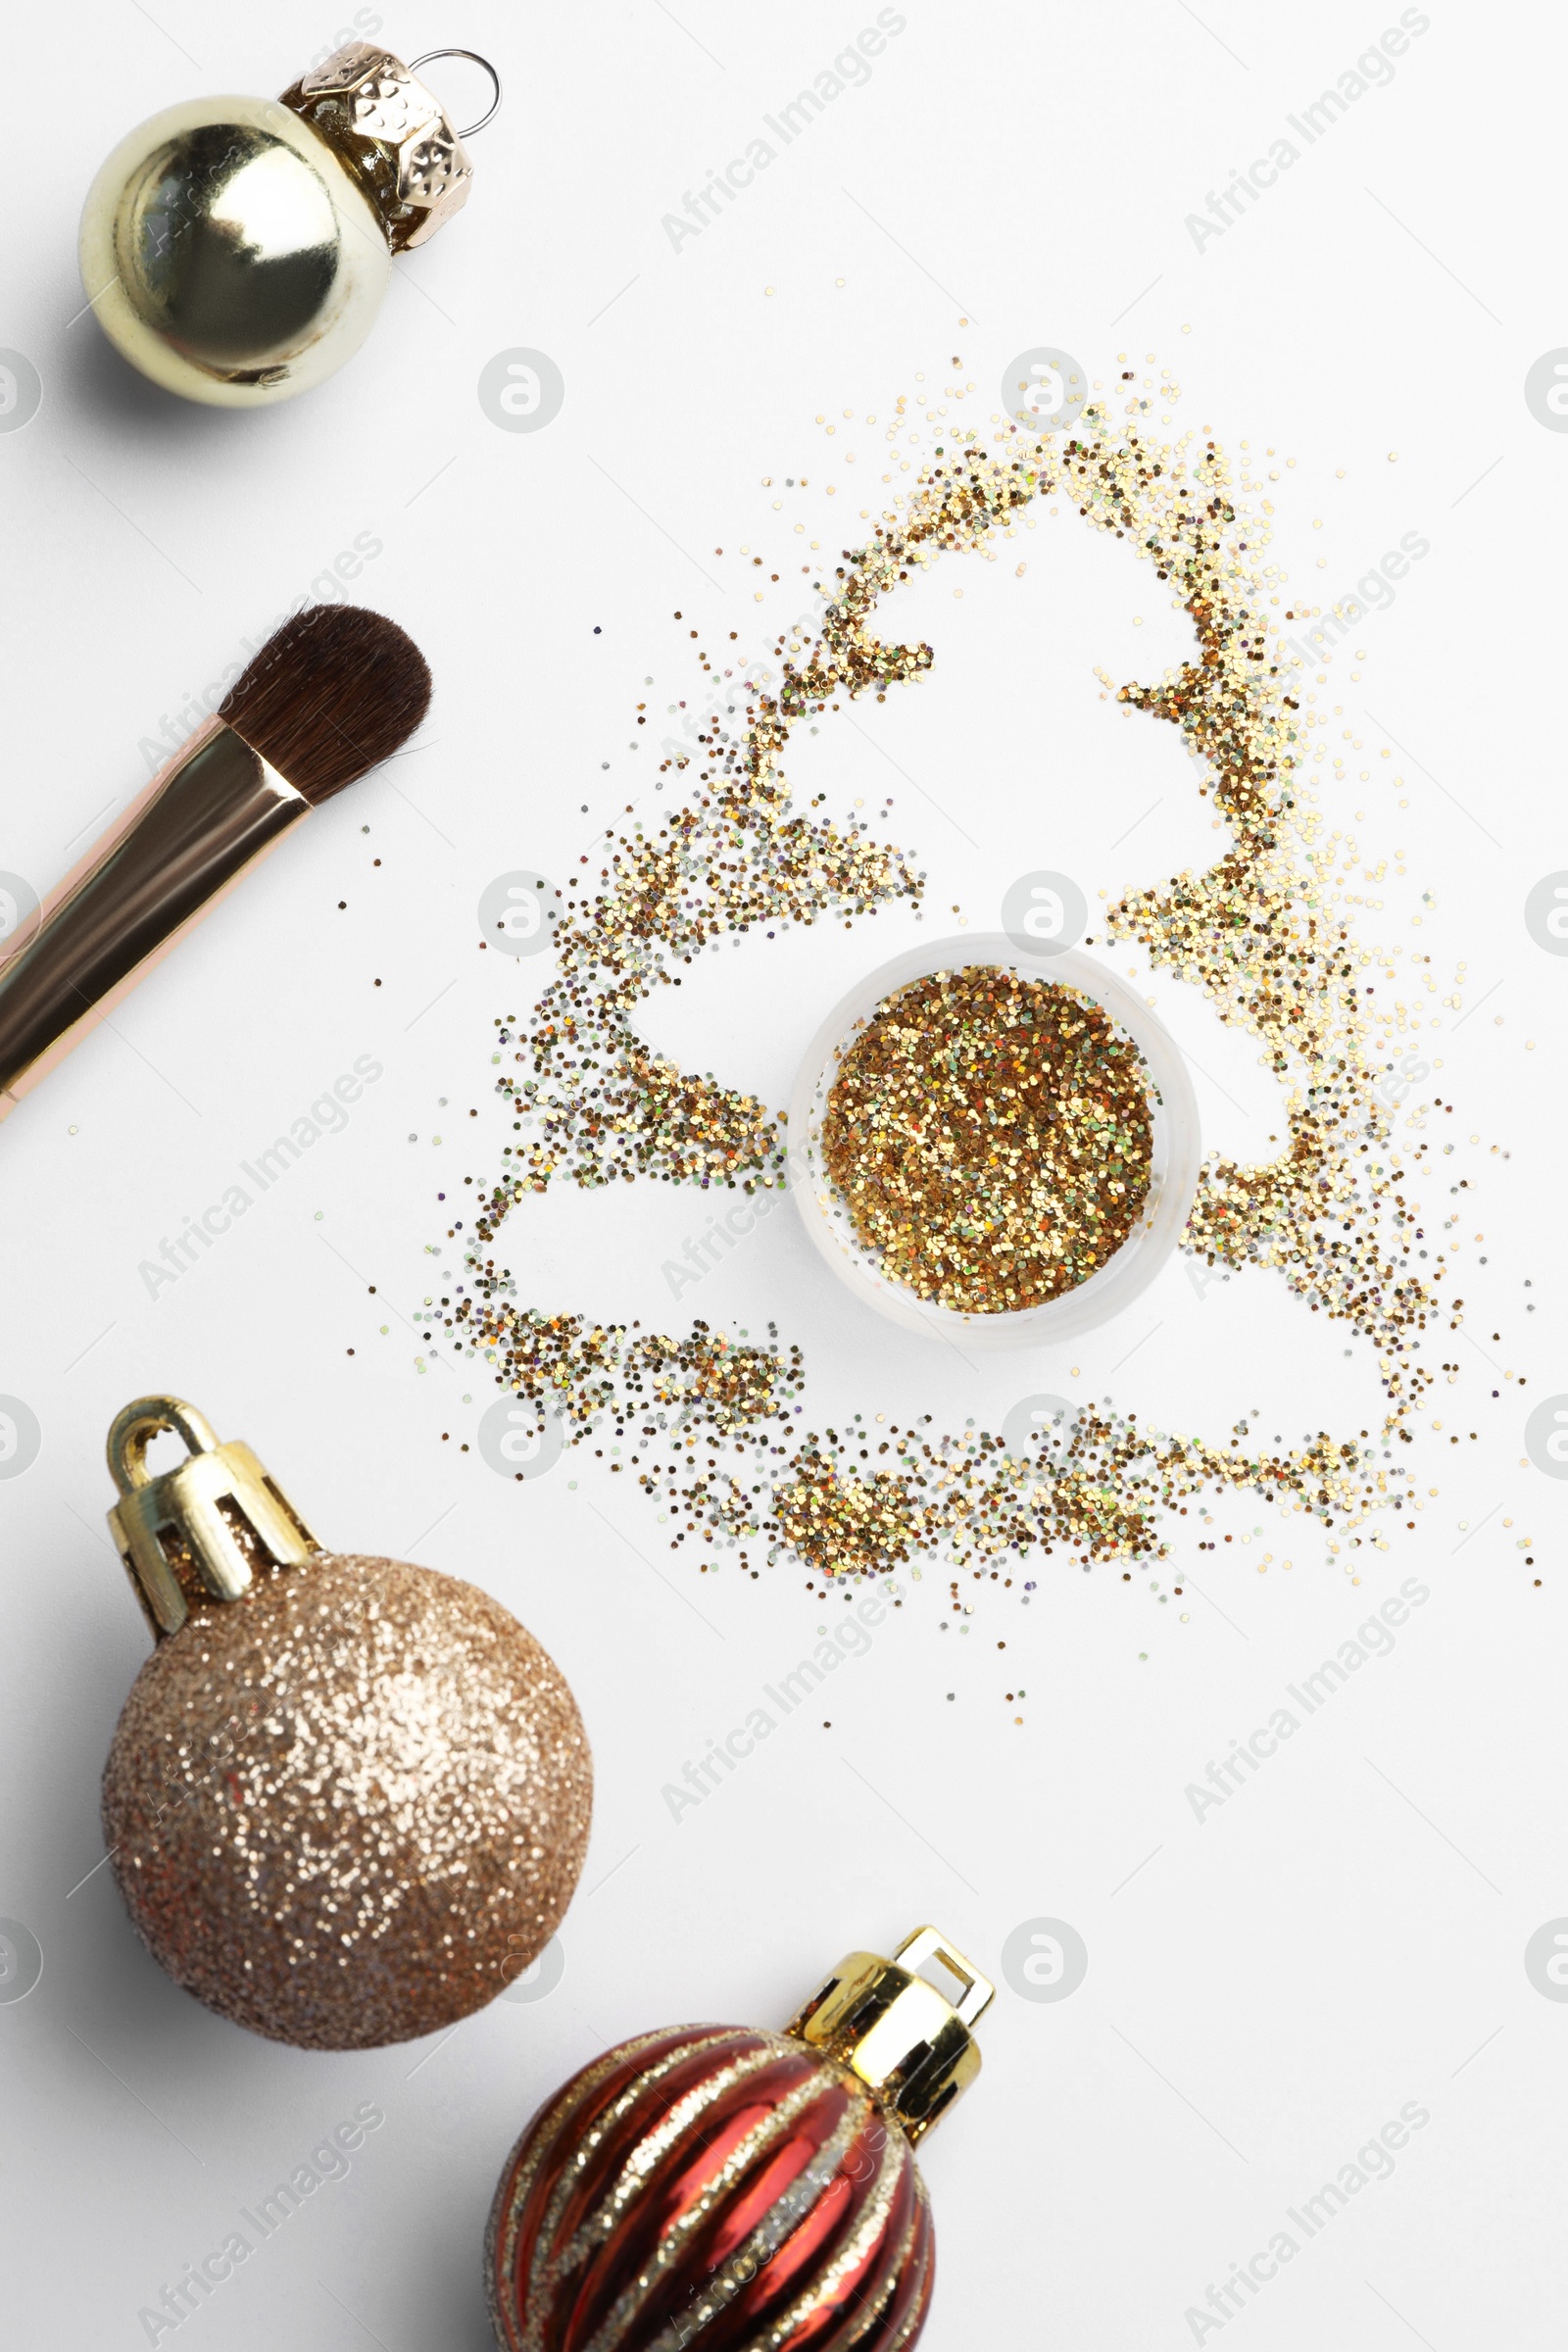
point(236, 250)
point(348, 1799)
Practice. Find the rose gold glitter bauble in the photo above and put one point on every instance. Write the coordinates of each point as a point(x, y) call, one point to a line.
point(348, 1801)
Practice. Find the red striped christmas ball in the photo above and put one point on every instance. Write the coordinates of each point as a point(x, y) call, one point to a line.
point(714, 2187)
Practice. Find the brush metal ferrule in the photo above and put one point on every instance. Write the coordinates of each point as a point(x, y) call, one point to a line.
point(205, 819)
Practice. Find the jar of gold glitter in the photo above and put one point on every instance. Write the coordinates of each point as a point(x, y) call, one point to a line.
point(994, 1144)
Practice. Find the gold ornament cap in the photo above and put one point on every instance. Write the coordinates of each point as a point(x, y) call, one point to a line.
point(911, 2047)
point(200, 1532)
point(392, 134)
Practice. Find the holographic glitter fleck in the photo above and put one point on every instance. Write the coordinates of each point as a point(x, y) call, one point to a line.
point(1261, 933)
point(350, 1806)
point(992, 1138)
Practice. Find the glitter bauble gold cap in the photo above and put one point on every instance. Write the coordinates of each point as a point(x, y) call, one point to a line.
point(348, 1799)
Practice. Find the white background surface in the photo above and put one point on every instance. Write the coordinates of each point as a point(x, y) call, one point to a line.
point(1345, 1936)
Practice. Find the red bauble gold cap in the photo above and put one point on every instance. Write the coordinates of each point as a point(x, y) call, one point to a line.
point(735, 2189)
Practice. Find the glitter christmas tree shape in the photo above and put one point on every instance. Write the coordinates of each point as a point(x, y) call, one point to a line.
point(711, 1422)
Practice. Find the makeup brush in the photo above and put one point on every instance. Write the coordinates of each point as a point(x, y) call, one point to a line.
point(331, 693)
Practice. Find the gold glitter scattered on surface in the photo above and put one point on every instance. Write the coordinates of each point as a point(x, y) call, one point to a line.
point(992, 1138)
point(350, 1806)
point(1261, 934)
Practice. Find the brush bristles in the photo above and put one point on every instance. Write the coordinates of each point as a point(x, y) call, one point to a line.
point(331, 695)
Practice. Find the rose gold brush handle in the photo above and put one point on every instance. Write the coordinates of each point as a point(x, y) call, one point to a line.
point(203, 821)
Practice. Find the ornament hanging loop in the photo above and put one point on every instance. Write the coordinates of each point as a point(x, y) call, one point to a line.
point(134, 1429)
point(202, 1531)
point(929, 1943)
point(485, 67)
